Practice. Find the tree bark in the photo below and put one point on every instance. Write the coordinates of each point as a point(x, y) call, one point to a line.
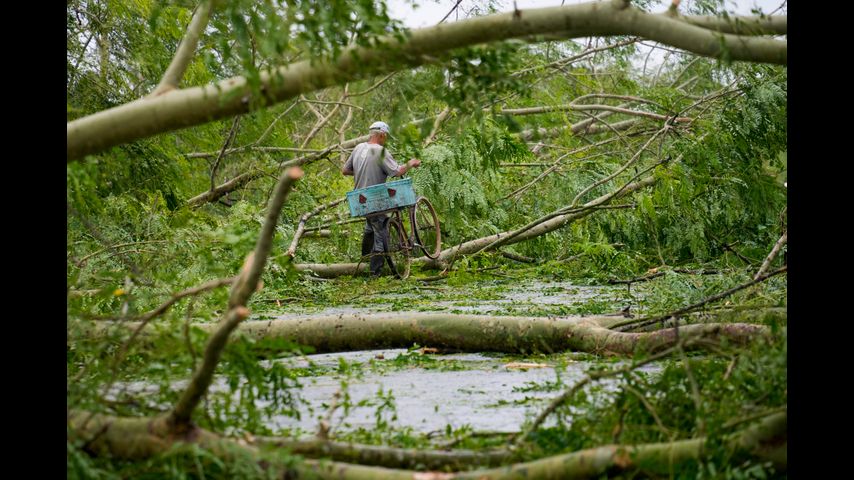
point(224, 189)
point(585, 107)
point(332, 270)
point(771, 256)
point(746, 25)
point(302, 221)
point(186, 49)
point(517, 257)
point(476, 333)
point(583, 126)
point(390, 457)
point(140, 438)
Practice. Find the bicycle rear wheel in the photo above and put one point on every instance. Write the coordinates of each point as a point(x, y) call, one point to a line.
point(425, 222)
point(399, 251)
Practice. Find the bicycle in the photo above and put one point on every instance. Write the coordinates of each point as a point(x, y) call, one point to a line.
point(424, 234)
point(424, 231)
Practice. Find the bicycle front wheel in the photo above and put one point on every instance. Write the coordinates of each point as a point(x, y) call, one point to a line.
point(425, 222)
point(399, 251)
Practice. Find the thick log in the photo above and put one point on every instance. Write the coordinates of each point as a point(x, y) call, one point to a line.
point(139, 438)
point(332, 270)
point(473, 333)
point(480, 333)
point(389, 457)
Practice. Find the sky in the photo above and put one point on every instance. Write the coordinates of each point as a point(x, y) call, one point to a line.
point(428, 12)
point(425, 13)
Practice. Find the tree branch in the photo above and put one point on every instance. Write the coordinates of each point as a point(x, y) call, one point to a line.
point(568, 394)
point(771, 256)
point(302, 221)
point(641, 322)
point(242, 289)
point(187, 48)
point(231, 134)
point(579, 107)
point(194, 106)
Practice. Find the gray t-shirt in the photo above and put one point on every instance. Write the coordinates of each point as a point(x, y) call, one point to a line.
point(369, 166)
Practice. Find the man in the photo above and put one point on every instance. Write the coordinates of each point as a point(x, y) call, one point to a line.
point(370, 164)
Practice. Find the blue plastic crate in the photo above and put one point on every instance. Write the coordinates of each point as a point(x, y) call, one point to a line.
point(378, 198)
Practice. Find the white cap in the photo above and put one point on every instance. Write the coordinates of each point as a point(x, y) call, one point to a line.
point(381, 126)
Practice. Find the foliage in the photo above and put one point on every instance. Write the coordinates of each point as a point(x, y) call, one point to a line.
point(718, 203)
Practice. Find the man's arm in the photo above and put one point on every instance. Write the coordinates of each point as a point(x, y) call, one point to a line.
point(412, 163)
point(347, 169)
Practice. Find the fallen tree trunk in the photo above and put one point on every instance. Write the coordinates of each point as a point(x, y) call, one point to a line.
point(332, 270)
point(139, 438)
point(390, 457)
point(475, 333)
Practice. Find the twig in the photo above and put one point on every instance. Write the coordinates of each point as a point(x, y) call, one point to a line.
point(568, 394)
point(341, 130)
point(225, 145)
point(771, 256)
point(650, 409)
point(451, 11)
point(244, 286)
point(695, 389)
point(302, 221)
point(437, 124)
point(311, 107)
point(339, 103)
point(640, 322)
point(187, 338)
point(565, 61)
point(145, 319)
point(620, 170)
point(324, 425)
point(83, 260)
point(372, 87)
point(555, 164)
point(97, 235)
point(324, 120)
point(645, 278)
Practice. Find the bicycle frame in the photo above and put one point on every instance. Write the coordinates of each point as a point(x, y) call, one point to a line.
point(409, 238)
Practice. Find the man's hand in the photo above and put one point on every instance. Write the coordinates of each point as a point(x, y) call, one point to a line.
point(412, 163)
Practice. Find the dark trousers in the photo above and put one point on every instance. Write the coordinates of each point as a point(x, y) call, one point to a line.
point(375, 241)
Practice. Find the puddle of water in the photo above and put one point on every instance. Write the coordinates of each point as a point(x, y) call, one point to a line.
point(486, 396)
point(524, 293)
